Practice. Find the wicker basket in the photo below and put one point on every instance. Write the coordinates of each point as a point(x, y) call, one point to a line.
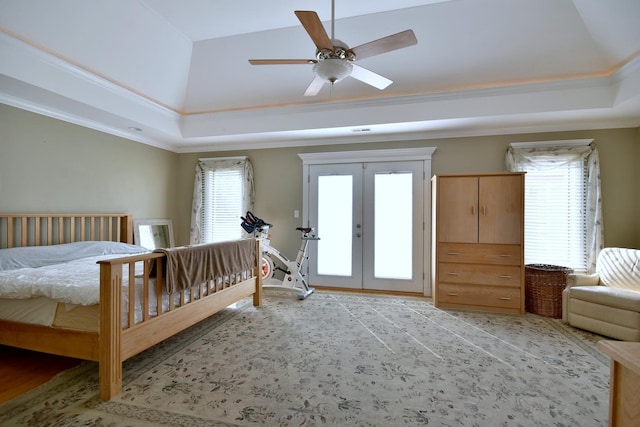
point(543, 289)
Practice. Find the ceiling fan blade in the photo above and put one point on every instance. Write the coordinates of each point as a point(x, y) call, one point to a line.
point(386, 44)
point(314, 87)
point(281, 61)
point(369, 77)
point(314, 27)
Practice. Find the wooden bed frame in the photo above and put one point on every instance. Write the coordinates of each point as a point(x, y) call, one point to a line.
point(113, 343)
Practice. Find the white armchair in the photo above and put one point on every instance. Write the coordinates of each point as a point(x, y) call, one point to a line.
point(607, 302)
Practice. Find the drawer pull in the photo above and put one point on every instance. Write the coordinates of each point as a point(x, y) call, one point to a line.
point(504, 276)
point(505, 298)
point(453, 253)
point(452, 294)
point(452, 273)
point(505, 255)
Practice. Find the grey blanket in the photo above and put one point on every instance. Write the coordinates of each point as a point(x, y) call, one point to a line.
point(187, 266)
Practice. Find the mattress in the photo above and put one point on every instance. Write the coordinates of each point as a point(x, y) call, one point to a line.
point(37, 311)
point(47, 312)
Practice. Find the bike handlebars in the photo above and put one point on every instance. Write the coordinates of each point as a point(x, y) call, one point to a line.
point(252, 223)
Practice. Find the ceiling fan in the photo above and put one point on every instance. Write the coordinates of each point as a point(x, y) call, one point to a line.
point(335, 60)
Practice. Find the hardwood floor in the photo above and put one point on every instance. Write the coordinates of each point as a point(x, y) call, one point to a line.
point(23, 370)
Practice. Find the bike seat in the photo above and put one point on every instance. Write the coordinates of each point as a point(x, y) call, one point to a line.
point(306, 230)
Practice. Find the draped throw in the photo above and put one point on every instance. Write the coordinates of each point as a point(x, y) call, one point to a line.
point(187, 266)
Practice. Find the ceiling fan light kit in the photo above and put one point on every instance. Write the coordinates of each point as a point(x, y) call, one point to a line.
point(335, 60)
point(332, 70)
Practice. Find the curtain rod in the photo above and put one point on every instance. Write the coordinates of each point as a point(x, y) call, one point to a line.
point(224, 158)
point(534, 144)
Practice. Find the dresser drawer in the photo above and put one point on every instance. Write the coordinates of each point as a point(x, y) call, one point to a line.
point(479, 296)
point(479, 253)
point(479, 274)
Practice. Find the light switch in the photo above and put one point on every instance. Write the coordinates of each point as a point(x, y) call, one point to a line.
point(296, 213)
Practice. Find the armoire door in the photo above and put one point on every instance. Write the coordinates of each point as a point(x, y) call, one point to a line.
point(500, 201)
point(458, 201)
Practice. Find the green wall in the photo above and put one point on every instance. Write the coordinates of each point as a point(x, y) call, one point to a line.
point(50, 165)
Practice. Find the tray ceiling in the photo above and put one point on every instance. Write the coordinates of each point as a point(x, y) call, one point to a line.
point(176, 74)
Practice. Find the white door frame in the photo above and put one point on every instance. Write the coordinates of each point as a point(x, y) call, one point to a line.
point(370, 156)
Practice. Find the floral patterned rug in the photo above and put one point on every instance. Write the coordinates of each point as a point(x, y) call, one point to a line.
point(343, 359)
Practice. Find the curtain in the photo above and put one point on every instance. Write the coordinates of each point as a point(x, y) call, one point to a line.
point(549, 157)
point(218, 164)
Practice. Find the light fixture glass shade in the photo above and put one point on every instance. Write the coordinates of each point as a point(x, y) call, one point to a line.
point(332, 70)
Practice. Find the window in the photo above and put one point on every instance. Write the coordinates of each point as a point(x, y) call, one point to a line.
point(222, 204)
point(554, 215)
point(562, 225)
point(223, 192)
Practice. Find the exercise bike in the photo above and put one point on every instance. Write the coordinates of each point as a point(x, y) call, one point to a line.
point(273, 260)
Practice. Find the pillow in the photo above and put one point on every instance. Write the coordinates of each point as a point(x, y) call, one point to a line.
point(39, 256)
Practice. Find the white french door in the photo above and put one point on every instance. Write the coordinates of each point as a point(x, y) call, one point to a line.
point(335, 201)
point(393, 216)
point(370, 218)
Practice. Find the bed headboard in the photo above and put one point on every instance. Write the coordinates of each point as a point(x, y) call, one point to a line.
point(50, 229)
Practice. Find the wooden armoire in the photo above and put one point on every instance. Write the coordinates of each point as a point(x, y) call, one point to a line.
point(478, 242)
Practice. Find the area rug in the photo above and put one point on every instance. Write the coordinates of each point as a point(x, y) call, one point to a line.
point(347, 360)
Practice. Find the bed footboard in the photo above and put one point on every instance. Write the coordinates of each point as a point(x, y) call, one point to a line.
point(177, 312)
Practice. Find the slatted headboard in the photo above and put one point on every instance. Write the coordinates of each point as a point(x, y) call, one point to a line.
point(50, 229)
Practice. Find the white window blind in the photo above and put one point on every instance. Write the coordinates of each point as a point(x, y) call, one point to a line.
point(555, 215)
point(222, 204)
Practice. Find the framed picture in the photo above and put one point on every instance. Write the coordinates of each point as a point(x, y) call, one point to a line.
point(153, 233)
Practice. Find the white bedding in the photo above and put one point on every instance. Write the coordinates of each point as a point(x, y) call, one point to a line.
point(66, 273)
point(74, 282)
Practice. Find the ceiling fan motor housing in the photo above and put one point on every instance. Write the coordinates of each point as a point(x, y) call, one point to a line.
point(333, 66)
point(340, 51)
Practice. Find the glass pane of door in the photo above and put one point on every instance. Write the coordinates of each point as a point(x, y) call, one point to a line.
point(335, 210)
point(393, 228)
